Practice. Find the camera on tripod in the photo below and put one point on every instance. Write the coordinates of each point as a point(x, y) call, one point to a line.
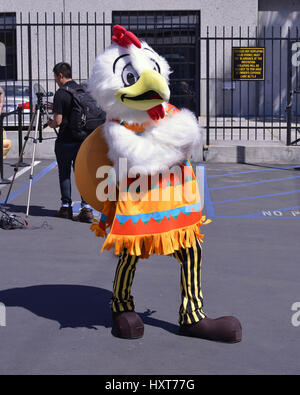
point(44, 106)
point(36, 125)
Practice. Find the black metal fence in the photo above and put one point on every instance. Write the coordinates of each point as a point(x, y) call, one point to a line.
point(250, 109)
point(35, 43)
point(265, 110)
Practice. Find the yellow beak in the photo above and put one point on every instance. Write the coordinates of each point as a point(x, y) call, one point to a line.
point(149, 91)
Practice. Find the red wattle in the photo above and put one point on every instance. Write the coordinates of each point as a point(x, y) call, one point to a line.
point(157, 112)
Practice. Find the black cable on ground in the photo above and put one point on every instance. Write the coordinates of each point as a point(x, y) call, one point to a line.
point(11, 221)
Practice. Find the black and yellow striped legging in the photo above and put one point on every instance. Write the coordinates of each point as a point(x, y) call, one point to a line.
point(190, 259)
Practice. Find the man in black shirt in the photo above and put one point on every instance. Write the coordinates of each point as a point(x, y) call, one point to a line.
point(66, 146)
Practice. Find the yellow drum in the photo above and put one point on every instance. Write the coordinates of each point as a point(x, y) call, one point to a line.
point(6, 145)
point(92, 155)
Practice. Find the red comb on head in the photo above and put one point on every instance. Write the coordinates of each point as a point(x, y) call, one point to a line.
point(124, 38)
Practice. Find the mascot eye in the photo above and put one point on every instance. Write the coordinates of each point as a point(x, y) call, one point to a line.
point(129, 75)
point(156, 66)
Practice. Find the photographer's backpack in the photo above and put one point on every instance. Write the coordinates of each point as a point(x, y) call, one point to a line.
point(85, 115)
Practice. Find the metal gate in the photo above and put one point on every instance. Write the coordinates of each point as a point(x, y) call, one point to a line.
point(35, 43)
point(262, 111)
point(40, 43)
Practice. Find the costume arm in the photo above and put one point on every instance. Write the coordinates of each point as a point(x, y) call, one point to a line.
point(180, 131)
point(145, 152)
point(161, 147)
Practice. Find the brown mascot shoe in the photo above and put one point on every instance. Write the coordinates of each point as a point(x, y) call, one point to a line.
point(127, 325)
point(223, 329)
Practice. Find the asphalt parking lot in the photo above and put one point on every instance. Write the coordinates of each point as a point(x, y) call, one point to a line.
point(56, 285)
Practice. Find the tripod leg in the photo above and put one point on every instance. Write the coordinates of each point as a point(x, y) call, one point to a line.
point(33, 160)
point(16, 169)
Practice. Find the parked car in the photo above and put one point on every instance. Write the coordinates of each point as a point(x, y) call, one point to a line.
point(17, 94)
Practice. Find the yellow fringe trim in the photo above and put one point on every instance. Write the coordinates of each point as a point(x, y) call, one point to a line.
point(109, 210)
point(160, 243)
point(97, 229)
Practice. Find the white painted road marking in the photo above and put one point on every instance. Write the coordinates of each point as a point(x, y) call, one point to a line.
point(21, 172)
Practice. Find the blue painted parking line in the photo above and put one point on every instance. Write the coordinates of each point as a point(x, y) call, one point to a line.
point(255, 217)
point(264, 213)
point(34, 180)
point(253, 183)
point(256, 197)
point(254, 171)
point(210, 210)
point(209, 204)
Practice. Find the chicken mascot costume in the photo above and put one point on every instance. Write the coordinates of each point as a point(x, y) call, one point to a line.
point(155, 205)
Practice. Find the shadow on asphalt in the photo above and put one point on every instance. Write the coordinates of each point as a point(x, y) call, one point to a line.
point(35, 211)
point(72, 306)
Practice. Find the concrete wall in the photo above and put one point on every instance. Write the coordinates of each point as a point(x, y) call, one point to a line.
point(32, 6)
point(214, 12)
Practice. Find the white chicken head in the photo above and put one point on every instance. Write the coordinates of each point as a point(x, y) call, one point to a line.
point(130, 80)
